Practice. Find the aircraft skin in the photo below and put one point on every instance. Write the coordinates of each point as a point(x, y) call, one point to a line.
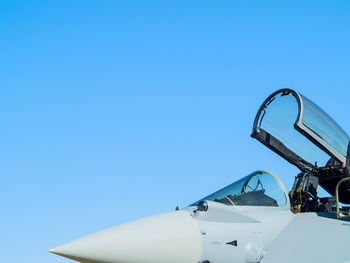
point(266, 235)
point(253, 225)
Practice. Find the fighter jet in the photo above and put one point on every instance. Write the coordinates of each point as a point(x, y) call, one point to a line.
point(254, 219)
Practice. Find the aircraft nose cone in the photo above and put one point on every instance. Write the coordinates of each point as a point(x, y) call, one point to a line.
point(171, 237)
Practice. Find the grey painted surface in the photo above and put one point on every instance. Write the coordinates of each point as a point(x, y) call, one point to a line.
point(310, 238)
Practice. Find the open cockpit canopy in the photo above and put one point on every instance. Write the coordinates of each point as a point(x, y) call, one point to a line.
point(302, 133)
point(299, 131)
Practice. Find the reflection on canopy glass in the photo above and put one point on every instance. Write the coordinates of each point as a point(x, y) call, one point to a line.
point(256, 189)
point(324, 126)
point(278, 120)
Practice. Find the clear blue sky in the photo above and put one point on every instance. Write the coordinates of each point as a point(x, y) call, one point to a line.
point(116, 110)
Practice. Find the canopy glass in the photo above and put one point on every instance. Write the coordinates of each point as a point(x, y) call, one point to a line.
point(298, 130)
point(257, 189)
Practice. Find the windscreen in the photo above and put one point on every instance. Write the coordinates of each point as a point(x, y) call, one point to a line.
point(257, 189)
